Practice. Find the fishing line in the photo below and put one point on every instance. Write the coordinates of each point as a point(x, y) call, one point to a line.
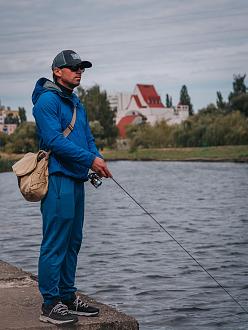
point(174, 239)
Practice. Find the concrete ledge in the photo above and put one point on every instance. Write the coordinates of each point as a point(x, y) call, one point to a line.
point(20, 303)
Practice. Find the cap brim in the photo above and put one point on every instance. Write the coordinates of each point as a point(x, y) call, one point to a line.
point(86, 64)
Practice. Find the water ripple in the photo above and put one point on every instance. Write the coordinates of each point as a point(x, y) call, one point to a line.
point(128, 262)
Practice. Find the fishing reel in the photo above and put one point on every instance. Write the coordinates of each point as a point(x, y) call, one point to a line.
point(95, 179)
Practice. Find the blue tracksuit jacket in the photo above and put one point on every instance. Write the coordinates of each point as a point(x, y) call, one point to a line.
point(53, 110)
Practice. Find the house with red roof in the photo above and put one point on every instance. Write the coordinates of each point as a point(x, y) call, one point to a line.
point(145, 104)
point(128, 120)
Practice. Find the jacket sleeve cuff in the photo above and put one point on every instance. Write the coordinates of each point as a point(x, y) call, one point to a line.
point(92, 157)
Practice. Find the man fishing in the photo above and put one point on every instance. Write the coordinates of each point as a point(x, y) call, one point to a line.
point(62, 209)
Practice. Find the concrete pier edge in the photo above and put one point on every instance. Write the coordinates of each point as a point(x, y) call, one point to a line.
point(20, 302)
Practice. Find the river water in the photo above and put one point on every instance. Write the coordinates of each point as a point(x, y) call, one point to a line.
point(128, 262)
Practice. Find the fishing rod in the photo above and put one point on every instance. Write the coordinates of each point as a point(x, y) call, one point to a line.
point(96, 181)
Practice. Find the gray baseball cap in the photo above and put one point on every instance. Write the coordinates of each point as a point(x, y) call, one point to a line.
point(69, 58)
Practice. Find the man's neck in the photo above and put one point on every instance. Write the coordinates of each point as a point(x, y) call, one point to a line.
point(65, 90)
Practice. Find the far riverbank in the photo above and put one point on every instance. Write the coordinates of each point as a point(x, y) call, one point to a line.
point(208, 154)
point(220, 153)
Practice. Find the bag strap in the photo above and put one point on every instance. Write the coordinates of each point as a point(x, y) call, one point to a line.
point(70, 127)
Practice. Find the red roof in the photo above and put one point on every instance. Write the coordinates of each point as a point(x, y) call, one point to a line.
point(137, 100)
point(122, 124)
point(150, 96)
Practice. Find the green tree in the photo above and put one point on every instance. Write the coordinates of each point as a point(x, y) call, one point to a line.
point(98, 109)
point(238, 98)
point(220, 102)
point(22, 114)
point(146, 136)
point(23, 140)
point(3, 139)
point(239, 86)
point(98, 133)
point(240, 103)
point(167, 101)
point(210, 127)
point(185, 99)
point(210, 109)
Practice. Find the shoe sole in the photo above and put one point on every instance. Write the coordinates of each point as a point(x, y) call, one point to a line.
point(83, 313)
point(47, 319)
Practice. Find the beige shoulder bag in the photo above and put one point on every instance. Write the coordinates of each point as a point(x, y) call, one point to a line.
point(32, 170)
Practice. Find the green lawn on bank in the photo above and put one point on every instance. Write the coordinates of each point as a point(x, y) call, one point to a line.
point(223, 153)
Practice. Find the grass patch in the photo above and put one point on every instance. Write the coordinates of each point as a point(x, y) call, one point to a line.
point(6, 165)
point(222, 153)
point(7, 160)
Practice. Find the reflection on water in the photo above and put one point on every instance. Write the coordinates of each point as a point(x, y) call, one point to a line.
point(127, 261)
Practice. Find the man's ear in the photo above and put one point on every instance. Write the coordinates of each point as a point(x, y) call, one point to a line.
point(57, 72)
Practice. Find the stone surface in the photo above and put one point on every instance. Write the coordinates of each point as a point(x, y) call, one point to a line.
point(20, 306)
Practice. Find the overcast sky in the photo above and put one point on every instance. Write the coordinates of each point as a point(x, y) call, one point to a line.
point(168, 43)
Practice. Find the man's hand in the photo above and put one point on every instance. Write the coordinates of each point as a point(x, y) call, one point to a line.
point(100, 167)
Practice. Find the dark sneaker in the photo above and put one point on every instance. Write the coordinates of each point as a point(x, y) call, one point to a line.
point(78, 307)
point(57, 314)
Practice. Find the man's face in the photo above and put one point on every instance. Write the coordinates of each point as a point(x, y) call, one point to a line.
point(70, 78)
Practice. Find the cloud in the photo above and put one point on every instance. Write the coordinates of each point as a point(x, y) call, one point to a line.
point(167, 43)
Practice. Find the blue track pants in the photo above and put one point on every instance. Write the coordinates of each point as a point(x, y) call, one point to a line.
point(63, 215)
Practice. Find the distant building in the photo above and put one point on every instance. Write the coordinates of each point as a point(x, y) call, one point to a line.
point(6, 127)
point(119, 102)
point(128, 120)
point(146, 104)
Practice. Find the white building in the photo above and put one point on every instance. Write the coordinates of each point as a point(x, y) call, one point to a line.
point(119, 101)
point(2, 117)
point(7, 128)
point(146, 103)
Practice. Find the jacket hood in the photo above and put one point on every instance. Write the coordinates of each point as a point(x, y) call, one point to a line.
point(44, 85)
